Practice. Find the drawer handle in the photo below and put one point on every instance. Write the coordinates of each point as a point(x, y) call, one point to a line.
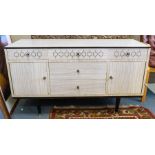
point(127, 54)
point(78, 87)
point(78, 71)
point(110, 77)
point(78, 54)
point(44, 78)
point(27, 54)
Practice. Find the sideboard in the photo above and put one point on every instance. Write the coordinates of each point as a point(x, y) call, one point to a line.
point(77, 67)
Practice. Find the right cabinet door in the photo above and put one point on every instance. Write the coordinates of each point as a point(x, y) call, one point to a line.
point(125, 78)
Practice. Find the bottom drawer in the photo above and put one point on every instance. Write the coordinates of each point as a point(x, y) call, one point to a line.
point(77, 88)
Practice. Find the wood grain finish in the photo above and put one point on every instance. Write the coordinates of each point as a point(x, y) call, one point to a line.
point(77, 88)
point(28, 79)
point(104, 68)
point(126, 77)
point(82, 43)
point(79, 70)
point(78, 79)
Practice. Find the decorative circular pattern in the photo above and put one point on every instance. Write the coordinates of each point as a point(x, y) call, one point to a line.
point(83, 54)
point(100, 54)
point(72, 54)
point(95, 54)
point(138, 53)
point(33, 54)
point(39, 54)
point(22, 54)
point(55, 54)
point(16, 54)
point(116, 54)
point(89, 54)
point(133, 54)
point(67, 54)
point(61, 54)
point(122, 54)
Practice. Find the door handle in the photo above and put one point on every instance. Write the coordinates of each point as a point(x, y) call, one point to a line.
point(78, 71)
point(78, 87)
point(110, 77)
point(44, 78)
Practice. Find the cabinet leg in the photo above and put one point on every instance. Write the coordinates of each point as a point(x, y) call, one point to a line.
point(118, 99)
point(39, 108)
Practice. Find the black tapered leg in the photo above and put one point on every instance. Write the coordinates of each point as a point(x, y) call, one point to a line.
point(118, 99)
point(39, 108)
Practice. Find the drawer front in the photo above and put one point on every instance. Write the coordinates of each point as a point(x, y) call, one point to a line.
point(127, 54)
point(77, 88)
point(64, 88)
point(94, 70)
point(27, 54)
point(92, 87)
point(68, 54)
point(98, 54)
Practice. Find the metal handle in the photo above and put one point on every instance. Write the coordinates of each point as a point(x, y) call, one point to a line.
point(78, 71)
point(27, 54)
point(78, 54)
point(44, 78)
point(110, 77)
point(127, 54)
point(78, 87)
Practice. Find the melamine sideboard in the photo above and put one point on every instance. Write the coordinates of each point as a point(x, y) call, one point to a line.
point(77, 67)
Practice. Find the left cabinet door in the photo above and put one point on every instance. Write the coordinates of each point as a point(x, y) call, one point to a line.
point(29, 79)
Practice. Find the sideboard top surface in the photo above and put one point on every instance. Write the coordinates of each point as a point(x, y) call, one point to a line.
point(75, 43)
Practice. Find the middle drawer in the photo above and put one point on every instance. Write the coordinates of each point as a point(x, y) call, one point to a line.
point(82, 70)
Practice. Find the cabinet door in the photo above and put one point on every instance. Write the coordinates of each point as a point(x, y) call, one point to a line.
point(29, 79)
point(125, 78)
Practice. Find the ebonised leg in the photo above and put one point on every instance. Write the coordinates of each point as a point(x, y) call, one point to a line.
point(39, 108)
point(118, 99)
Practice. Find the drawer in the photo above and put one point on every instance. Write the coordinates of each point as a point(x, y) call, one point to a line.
point(77, 54)
point(27, 54)
point(92, 87)
point(98, 54)
point(126, 54)
point(77, 88)
point(85, 70)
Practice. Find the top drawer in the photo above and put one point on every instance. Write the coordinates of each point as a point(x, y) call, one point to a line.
point(27, 54)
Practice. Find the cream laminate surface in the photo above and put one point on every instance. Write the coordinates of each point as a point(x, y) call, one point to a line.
point(76, 43)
